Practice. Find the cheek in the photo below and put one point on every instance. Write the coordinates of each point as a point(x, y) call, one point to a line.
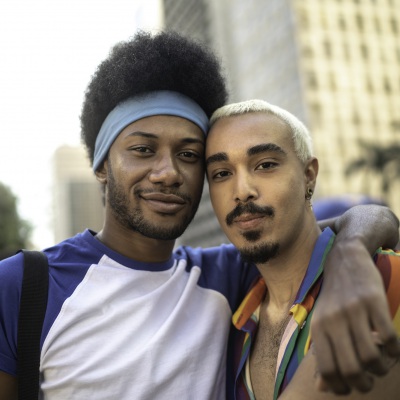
point(219, 202)
point(129, 171)
point(283, 195)
point(291, 195)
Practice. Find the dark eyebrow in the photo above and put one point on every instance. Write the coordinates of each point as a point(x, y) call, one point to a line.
point(262, 148)
point(148, 135)
point(216, 158)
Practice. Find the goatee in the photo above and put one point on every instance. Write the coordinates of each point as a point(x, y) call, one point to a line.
point(259, 254)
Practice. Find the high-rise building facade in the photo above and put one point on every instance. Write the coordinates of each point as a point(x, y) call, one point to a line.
point(333, 63)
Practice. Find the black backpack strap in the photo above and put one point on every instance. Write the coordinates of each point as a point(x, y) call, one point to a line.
point(32, 310)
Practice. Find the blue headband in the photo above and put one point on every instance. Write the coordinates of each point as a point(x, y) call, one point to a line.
point(161, 102)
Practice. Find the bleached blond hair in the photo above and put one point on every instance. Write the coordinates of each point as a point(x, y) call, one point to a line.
point(300, 134)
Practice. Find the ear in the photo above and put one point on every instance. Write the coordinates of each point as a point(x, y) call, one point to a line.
point(101, 173)
point(311, 172)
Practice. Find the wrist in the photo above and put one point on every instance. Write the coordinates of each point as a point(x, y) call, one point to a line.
point(343, 247)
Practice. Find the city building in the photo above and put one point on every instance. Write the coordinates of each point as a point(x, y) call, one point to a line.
point(333, 63)
point(77, 197)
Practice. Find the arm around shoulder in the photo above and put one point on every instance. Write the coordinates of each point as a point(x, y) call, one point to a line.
point(353, 301)
point(376, 226)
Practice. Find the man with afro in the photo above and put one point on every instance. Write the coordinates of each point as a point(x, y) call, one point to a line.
point(129, 317)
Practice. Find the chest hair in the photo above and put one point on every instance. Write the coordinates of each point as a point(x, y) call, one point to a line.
point(263, 358)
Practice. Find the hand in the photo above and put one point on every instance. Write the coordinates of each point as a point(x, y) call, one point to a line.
point(352, 304)
point(389, 363)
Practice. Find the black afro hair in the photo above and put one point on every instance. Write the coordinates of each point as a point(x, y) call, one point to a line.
point(165, 61)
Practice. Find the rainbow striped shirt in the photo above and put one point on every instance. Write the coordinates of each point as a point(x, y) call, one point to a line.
point(296, 338)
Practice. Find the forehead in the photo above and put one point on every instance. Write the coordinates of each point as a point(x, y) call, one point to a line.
point(163, 128)
point(240, 132)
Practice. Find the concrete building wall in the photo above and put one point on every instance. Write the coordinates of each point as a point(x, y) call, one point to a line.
point(333, 63)
point(77, 199)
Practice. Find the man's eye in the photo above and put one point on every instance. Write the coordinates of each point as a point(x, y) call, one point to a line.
point(220, 174)
point(189, 156)
point(141, 149)
point(267, 165)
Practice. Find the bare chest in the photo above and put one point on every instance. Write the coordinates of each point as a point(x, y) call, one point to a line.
point(263, 358)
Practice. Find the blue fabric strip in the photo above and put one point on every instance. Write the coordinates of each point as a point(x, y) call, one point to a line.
point(161, 102)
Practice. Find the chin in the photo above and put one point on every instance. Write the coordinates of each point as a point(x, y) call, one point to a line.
point(259, 253)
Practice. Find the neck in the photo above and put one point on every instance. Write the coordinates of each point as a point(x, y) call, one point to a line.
point(134, 245)
point(284, 273)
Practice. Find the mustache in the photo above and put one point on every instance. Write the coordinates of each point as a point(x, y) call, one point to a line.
point(248, 208)
point(183, 196)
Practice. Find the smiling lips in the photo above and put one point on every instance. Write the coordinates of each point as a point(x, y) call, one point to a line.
point(164, 203)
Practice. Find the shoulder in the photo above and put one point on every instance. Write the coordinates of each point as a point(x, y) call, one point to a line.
point(62, 258)
point(388, 262)
point(83, 248)
point(211, 255)
point(390, 253)
point(11, 271)
point(222, 269)
point(223, 260)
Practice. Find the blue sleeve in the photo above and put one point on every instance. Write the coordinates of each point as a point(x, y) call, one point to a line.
point(11, 272)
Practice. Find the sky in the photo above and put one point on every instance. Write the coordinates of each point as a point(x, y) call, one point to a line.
point(49, 49)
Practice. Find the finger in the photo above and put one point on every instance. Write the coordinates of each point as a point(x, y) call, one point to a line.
point(382, 324)
point(368, 351)
point(323, 386)
point(347, 353)
point(392, 347)
point(377, 367)
point(327, 366)
point(388, 360)
point(381, 367)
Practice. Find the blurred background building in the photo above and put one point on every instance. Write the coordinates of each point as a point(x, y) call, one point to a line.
point(77, 201)
point(333, 63)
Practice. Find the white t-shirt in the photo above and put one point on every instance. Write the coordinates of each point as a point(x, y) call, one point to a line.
point(119, 329)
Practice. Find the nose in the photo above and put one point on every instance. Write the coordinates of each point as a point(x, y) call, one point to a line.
point(244, 189)
point(165, 171)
